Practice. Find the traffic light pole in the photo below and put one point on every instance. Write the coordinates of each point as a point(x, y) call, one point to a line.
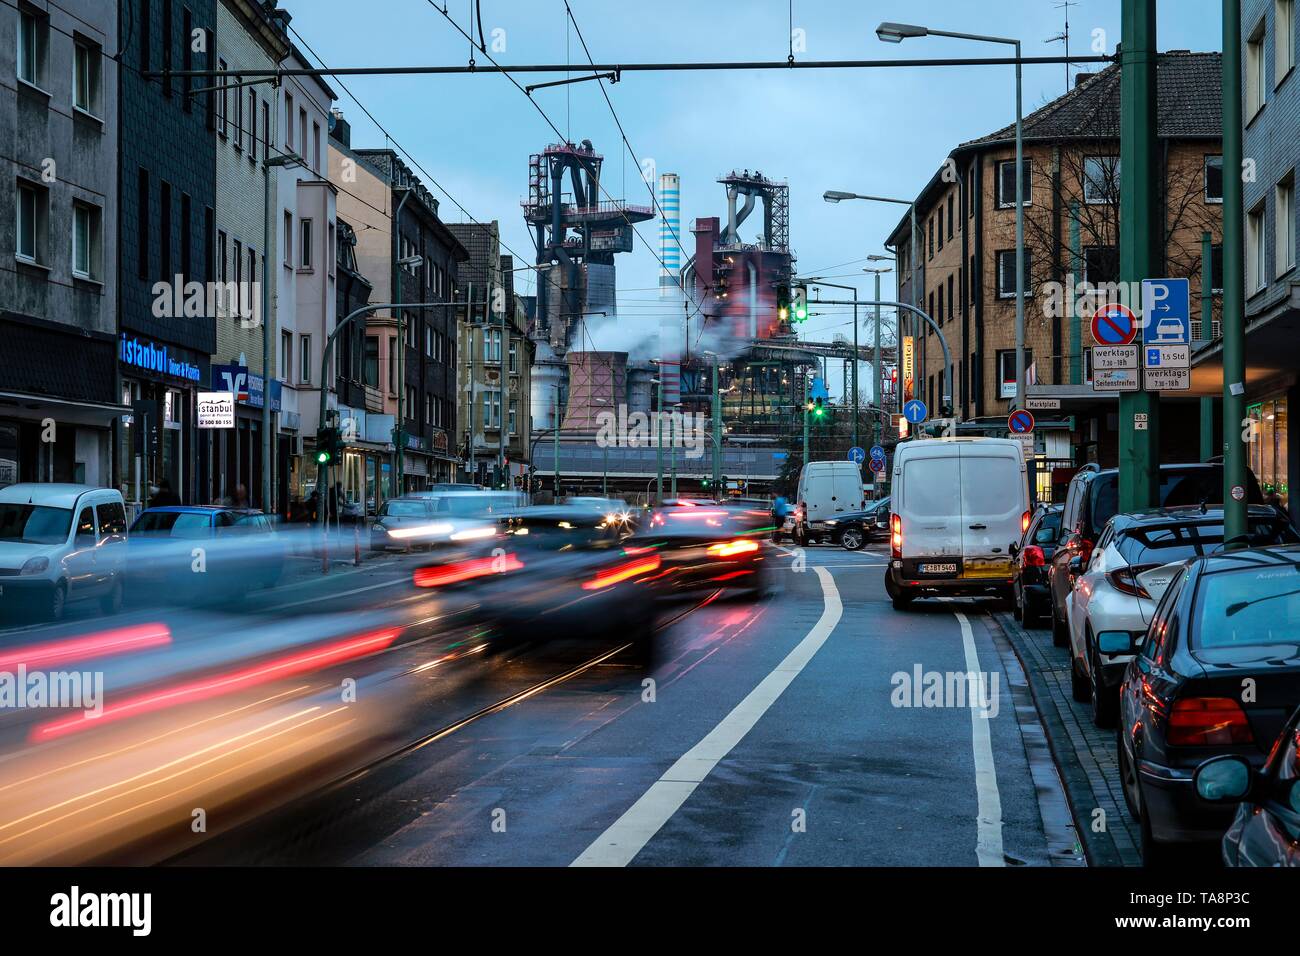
point(342, 324)
point(1139, 466)
point(1234, 318)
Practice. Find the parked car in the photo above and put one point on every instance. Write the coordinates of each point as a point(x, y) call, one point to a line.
point(1032, 556)
point(1217, 673)
point(1116, 590)
point(852, 531)
point(240, 552)
point(60, 543)
point(1093, 498)
point(827, 489)
point(959, 504)
point(1266, 828)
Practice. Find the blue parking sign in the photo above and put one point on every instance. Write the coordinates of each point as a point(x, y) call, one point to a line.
point(1166, 312)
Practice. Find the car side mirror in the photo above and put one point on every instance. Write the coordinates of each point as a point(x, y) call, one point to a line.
point(1225, 779)
point(1076, 565)
point(1112, 643)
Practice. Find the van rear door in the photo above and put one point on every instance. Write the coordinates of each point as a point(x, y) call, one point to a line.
point(927, 502)
point(994, 498)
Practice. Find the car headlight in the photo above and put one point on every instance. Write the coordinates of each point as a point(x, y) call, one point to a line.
point(35, 565)
point(831, 521)
point(376, 527)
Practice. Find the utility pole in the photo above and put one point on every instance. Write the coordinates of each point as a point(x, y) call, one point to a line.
point(717, 427)
point(399, 430)
point(1234, 281)
point(1140, 235)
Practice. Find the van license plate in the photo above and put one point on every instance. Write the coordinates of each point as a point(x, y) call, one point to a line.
point(936, 568)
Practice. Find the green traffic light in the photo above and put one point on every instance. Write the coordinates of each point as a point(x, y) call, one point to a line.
point(323, 457)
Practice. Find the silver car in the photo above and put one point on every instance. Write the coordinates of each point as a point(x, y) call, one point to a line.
point(60, 543)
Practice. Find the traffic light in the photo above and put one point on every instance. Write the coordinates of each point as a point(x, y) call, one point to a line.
point(782, 301)
point(798, 303)
point(819, 409)
point(327, 445)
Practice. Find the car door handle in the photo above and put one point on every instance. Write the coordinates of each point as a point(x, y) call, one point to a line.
point(978, 527)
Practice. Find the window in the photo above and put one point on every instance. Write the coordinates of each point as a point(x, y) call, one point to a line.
point(209, 266)
point(514, 356)
point(929, 232)
point(87, 241)
point(167, 41)
point(428, 409)
point(412, 409)
point(1101, 264)
point(142, 224)
point(1283, 39)
point(1256, 84)
point(252, 125)
point(513, 422)
point(428, 341)
point(1255, 267)
point(305, 244)
point(1007, 183)
point(970, 191)
point(315, 146)
point(304, 359)
point(33, 222)
point(938, 315)
point(238, 259)
point(371, 370)
point(187, 58)
point(223, 102)
point(302, 129)
point(165, 231)
point(33, 38)
point(392, 365)
point(187, 247)
point(492, 409)
point(939, 231)
point(1007, 273)
point(86, 73)
point(1284, 224)
point(951, 298)
point(239, 120)
point(952, 219)
point(1214, 179)
point(330, 252)
point(286, 355)
point(1216, 268)
point(266, 129)
point(222, 271)
point(1007, 371)
point(492, 345)
point(1100, 179)
point(288, 238)
point(288, 122)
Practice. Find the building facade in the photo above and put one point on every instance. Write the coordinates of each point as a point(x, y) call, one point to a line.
point(59, 399)
point(965, 254)
point(167, 229)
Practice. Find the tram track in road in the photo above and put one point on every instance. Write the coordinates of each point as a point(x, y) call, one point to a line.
point(317, 817)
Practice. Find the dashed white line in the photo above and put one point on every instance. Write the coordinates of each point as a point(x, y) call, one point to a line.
point(625, 838)
point(988, 819)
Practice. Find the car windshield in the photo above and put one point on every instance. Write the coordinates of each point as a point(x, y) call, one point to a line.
point(34, 524)
point(561, 535)
point(1248, 606)
point(464, 506)
point(174, 524)
point(1177, 542)
point(405, 509)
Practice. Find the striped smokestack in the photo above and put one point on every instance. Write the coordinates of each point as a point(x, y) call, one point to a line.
point(672, 323)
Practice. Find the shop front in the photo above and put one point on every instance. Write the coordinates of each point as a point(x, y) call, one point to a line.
point(1269, 447)
point(157, 446)
point(235, 454)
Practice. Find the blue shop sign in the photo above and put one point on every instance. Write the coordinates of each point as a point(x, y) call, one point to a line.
point(246, 385)
point(163, 359)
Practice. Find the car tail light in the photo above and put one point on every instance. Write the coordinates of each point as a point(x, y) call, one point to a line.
point(622, 573)
point(1024, 522)
point(732, 549)
point(1033, 557)
point(896, 536)
point(1202, 721)
point(1125, 580)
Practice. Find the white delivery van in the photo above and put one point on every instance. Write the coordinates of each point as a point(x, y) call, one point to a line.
point(958, 505)
point(826, 489)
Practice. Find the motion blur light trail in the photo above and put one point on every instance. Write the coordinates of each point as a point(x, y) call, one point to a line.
point(119, 640)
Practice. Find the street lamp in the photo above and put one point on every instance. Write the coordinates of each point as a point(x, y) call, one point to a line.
point(875, 359)
point(716, 425)
point(897, 33)
point(835, 195)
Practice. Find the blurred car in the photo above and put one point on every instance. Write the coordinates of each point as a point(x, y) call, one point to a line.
point(60, 543)
point(1266, 828)
point(1093, 499)
point(1031, 556)
point(471, 503)
point(556, 573)
point(1137, 552)
point(1217, 673)
point(852, 531)
point(198, 553)
point(706, 547)
point(405, 523)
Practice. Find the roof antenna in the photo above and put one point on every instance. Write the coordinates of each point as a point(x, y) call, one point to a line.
point(1064, 37)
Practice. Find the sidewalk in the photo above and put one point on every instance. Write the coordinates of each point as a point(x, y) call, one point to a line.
point(1084, 753)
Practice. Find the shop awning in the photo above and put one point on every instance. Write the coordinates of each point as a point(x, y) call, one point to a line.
point(36, 407)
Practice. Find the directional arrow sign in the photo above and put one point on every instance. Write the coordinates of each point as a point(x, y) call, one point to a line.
point(857, 455)
point(915, 411)
point(1167, 307)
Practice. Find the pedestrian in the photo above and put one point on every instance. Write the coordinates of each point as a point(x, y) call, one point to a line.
point(240, 498)
point(165, 496)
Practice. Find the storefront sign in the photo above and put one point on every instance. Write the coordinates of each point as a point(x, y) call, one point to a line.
point(909, 366)
point(156, 358)
point(216, 409)
point(246, 385)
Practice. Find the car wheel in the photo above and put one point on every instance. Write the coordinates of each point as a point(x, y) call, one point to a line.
point(111, 603)
point(1060, 633)
point(58, 603)
point(1128, 778)
point(1080, 686)
point(852, 539)
point(901, 597)
point(1154, 853)
point(1105, 700)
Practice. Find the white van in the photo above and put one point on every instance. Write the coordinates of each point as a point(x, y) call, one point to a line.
point(958, 505)
point(826, 489)
point(60, 543)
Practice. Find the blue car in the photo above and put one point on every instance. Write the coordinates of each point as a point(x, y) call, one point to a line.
point(197, 553)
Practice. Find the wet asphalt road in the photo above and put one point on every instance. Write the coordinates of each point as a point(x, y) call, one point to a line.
point(765, 734)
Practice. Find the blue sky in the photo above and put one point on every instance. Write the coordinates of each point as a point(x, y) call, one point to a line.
point(869, 131)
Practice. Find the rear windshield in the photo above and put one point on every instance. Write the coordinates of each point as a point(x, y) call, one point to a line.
point(930, 486)
point(34, 524)
point(1177, 542)
point(174, 524)
point(1247, 606)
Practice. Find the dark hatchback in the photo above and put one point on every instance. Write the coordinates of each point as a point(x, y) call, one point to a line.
point(1266, 829)
point(1032, 557)
point(1218, 673)
point(1093, 499)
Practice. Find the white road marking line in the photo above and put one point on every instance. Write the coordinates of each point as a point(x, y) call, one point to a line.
point(317, 600)
point(988, 848)
point(625, 838)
